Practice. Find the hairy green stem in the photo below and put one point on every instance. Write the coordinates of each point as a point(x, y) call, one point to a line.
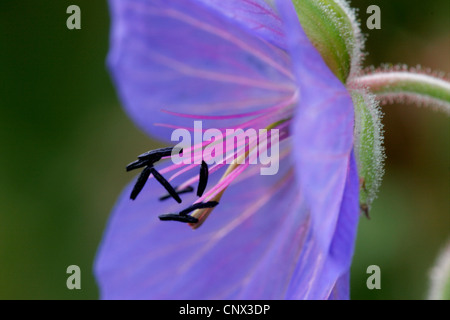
point(406, 86)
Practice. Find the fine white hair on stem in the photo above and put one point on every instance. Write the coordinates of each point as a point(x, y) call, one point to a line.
point(369, 142)
point(357, 39)
point(403, 85)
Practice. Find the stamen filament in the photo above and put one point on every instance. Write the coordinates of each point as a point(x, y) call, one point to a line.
point(216, 193)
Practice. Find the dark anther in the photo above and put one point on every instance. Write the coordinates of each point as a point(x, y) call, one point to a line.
point(140, 182)
point(177, 217)
point(137, 164)
point(200, 205)
point(203, 180)
point(182, 191)
point(147, 160)
point(165, 184)
point(158, 153)
point(150, 157)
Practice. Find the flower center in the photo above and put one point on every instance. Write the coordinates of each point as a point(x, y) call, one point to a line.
point(273, 125)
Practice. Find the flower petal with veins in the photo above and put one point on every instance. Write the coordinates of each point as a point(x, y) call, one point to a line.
point(323, 129)
point(255, 15)
point(186, 57)
point(245, 251)
point(288, 236)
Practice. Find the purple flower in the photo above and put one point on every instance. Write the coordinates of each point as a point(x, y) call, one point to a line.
point(233, 64)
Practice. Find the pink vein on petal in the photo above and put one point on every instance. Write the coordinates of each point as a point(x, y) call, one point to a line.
point(218, 32)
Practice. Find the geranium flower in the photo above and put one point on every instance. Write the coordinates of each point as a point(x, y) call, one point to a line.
point(233, 64)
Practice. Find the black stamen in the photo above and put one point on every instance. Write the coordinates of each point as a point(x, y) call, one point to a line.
point(177, 217)
point(203, 181)
point(166, 185)
point(150, 157)
point(158, 153)
point(182, 191)
point(201, 205)
point(140, 183)
point(137, 164)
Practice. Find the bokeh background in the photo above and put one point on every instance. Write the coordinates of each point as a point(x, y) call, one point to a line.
point(65, 141)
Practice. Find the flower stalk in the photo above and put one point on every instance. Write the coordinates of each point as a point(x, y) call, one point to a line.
point(396, 85)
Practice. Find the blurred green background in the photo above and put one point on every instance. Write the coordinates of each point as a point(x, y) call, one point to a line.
point(65, 140)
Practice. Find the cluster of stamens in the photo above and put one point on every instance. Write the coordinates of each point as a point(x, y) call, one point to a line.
point(278, 116)
point(147, 161)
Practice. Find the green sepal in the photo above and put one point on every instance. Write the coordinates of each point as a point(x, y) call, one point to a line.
point(369, 149)
point(331, 28)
